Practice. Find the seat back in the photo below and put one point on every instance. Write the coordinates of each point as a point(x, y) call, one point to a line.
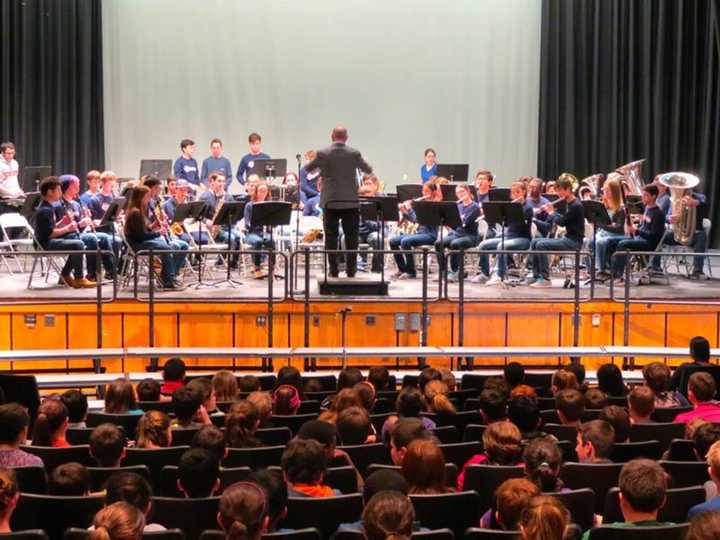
point(460, 453)
point(255, 458)
point(446, 434)
point(682, 450)
point(677, 504)
point(568, 450)
point(274, 436)
point(169, 475)
point(454, 511)
point(364, 455)
point(451, 472)
point(299, 534)
point(686, 473)
point(100, 475)
point(668, 414)
point(581, 505)
point(127, 421)
point(309, 406)
point(664, 433)
point(379, 419)
point(459, 419)
point(475, 533)
point(73, 533)
point(31, 479)
point(30, 534)
point(342, 478)
point(183, 436)
point(77, 436)
point(668, 532)
point(324, 513)
point(54, 514)
point(22, 389)
point(563, 433)
point(192, 516)
point(485, 479)
point(473, 432)
point(624, 452)
point(292, 421)
point(163, 406)
point(52, 457)
point(600, 477)
point(437, 534)
point(155, 459)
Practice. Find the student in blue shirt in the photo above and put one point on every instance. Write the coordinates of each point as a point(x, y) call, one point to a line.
point(254, 234)
point(93, 186)
point(713, 504)
point(185, 166)
point(463, 237)
point(216, 162)
point(429, 169)
point(246, 167)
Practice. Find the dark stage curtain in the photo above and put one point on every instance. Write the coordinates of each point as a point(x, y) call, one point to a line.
point(629, 79)
point(51, 91)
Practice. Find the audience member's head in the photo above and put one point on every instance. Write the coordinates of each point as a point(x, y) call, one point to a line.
point(701, 388)
point(241, 423)
point(344, 399)
point(212, 439)
point(148, 390)
point(610, 380)
point(276, 494)
point(379, 377)
point(129, 487)
point(14, 420)
point(353, 426)
point(118, 521)
point(324, 433)
point(51, 422)
point(264, 404)
point(700, 350)
point(493, 405)
point(713, 461)
point(9, 494)
point(545, 518)
point(641, 404)
point(543, 459)
point(570, 406)
point(71, 479)
point(186, 403)
point(247, 383)
point(204, 387)
point(198, 473)
point(643, 484)
point(120, 396)
point(424, 467)
point(349, 377)
point(436, 396)
point(595, 441)
point(174, 370)
point(107, 445)
point(705, 436)
point(77, 405)
point(243, 511)
point(704, 526)
point(563, 379)
point(285, 400)
point(692, 426)
point(448, 377)
point(524, 412)
point(657, 377)
point(365, 393)
point(384, 480)
point(578, 369)
point(389, 515)
point(426, 375)
point(595, 399)
point(514, 373)
point(498, 384)
point(409, 402)
point(511, 498)
point(502, 443)
point(304, 462)
point(289, 375)
point(619, 419)
point(405, 431)
point(153, 430)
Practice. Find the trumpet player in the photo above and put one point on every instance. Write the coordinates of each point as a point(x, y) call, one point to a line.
point(425, 235)
point(517, 236)
point(214, 198)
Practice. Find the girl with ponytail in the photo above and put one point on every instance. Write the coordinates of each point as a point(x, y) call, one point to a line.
point(154, 430)
point(389, 515)
point(51, 424)
point(436, 396)
point(241, 423)
point(243, 512)
point(118, 521)
point(9, 496)
point(543, 458)
point(545, 518)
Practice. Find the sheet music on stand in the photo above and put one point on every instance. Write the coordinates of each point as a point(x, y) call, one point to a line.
point(160, 168)
point(499, 195)
point(270, 168)
point(111, 214)
point(409, 192)
point(435, 214)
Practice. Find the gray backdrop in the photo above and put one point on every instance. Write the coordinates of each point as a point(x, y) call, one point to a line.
point(461, 76)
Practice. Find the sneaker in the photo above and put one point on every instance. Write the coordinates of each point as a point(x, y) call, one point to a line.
point(541, 283)
point(479, 278)
point(452, 277)
point(494, 280)
point(85, 283)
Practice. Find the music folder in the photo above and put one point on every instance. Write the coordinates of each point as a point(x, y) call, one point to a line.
point(378, 208)
point(503, 212)
point(271, 213)
point(435, 214)
point(269, 168)
point(409, 192)
point(230, 213)
point(596, 213)
point(32, 200)
point(455, 172)
point(112, 211)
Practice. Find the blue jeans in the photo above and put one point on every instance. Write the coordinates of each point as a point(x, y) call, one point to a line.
point(454, 241)
point(105, 241)
point(496, 243)
point(540, 262)
point(604, 243)
point(232, 239)
point(406, 262)
point(74, 263)
point(255, 241)
point(311, 206)
point(171, 262)
point(628, 244)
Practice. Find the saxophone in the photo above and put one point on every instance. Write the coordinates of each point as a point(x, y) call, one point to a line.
point(216, 228)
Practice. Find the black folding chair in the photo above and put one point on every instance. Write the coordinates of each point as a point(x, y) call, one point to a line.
point(668, 532)
point(255, 458)
point(52, 457)
point(454, 511)
point(54, 514)
point(686, 473)
point(324, 513)
point(485, 479)
point(600, 477)
point(192, 516)
point(677, 504)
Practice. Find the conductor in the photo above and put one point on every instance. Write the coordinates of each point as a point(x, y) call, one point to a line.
point(338, 166)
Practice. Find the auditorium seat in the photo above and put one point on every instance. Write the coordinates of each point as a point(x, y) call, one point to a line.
point(581, 505)
point(52, 457)
point(32, 479)
point(30, 534)
point(471, 404)
point(309, 406)
point(561, 432)
point(686, 473)
point(682, 450)
point(459, 419)
point(663, 432)
point(460, 453)
point(624, 452)
point(363, 455)
point(320, 396)
point(454, 511)
point(342, 478)
point(473, 432)
point(54, 514)
point(677, 504)
point(549, 416)
point(299, 534)
point(218, 420)
point(169, 475)
point(382, 406)
point(568, 450)
point(390, 396)
point(475, 533)
point(462, 395)
point(378, 420)
point(192, 516)
point(438, 534)
point(325, 513)
point(473, 380)
point(668, 414)
point(154, 458)
point(600, 477)
point(446, 434)
point(485, 479)
point(255, 458)
point(451, 472)
point(590, 414)
point(74, 533)
point(274, 436)
point(78, 436)
point(546, 403)
point(668, 532)
point(327, 382)
point(183, 436)
point(22, 389)
point(538, 380)
point(99, 475)
point(292, 421)
point(163, 406)
point(127, 421)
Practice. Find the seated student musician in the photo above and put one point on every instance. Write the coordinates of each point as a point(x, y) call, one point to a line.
point(140, 237)
point(483, 184)
point(643, 489)
point(304, 463)
point(107, 445)
point(309, 187)
point(216, 162)
point(700, 354)
point(429, 169)
point(641, 404)
point(595, 441)
point(9, 185)
point(424, 235)
point(60, 233)
point(14, 422)
point(462, 237)
point(612, 200)
point(214, 198)
point(77, 406)
point(574, 222)
point(180, 196)
point(517, 236)
point(643, 238)
point(69, 479)
point(51, 424)
point(255, 235)
point(198, 474)
point(98, 205)
point(368, 230)
point(536, 201)
point(701, 394)
point(155, 215)
point(246, 167)
point(92, 179)
point(186, 167)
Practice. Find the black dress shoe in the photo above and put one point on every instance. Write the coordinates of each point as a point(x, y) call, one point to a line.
point(350, 274)
point(333, 274)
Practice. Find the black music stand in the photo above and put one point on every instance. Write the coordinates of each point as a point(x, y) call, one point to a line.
point(499, 195)
point(270, 168)
point(229, 215)
point(111, 215)
point(160, 168)
point(503, 213)
point(457, 172)
point(448, 191)
point(32, 176)
point(381, 209)
point(597, 216)
point(32, 200)
point(271, 214)
point(438, 214)
point(197, 210)
point(409, 192)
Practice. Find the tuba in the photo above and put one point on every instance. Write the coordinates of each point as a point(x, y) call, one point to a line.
point(684, 226)
point(573, 180)
point(591, 185)
point(632, 180)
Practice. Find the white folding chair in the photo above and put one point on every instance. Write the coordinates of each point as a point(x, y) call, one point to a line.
point(22, 237)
